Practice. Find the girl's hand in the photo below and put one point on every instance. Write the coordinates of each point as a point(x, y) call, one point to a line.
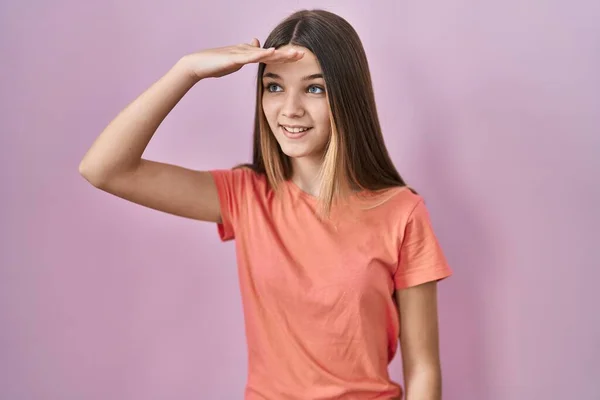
point(215, 63)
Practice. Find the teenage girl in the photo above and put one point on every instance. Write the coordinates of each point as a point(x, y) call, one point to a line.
point(336, 255)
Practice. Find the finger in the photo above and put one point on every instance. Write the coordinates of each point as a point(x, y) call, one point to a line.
point(284, 56)
point(289, 53)
point(247, 48)
point(258, 55)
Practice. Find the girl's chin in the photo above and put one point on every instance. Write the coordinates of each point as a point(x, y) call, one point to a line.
point(302, 154)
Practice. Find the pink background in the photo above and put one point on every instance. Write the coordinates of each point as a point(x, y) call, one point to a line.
point(490, 109)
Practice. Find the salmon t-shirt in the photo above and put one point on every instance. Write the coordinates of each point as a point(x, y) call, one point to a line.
point(318, 295)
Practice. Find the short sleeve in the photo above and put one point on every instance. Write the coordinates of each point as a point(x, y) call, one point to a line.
point(421, 258)
point(231, 186)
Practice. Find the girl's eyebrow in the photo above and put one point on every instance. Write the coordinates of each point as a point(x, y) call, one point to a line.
point(306, 78)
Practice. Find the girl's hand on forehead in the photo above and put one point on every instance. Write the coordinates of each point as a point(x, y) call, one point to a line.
point(215, 63)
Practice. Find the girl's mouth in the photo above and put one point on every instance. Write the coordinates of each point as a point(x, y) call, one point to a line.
point(295, 132)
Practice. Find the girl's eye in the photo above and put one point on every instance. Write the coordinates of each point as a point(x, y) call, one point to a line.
point(316, 90)
point(272, 87)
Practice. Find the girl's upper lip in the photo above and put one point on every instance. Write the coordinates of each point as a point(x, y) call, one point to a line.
point(295, 126)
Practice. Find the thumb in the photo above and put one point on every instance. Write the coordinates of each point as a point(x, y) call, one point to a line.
point(255, 42)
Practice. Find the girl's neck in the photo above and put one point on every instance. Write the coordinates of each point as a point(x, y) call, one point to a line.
point(306, 174)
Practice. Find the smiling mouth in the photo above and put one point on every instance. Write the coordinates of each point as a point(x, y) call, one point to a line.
point(295, 132)
point(295, 129)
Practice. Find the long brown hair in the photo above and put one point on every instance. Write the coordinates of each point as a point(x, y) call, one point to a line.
point(356, 157)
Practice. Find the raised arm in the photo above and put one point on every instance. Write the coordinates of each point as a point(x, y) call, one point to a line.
point(114, 162)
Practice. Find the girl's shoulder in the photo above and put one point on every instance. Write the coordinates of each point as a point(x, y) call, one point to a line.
point(394, 201)
point(249, 180)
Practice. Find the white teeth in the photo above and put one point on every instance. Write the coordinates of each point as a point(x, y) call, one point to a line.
point(295, 130)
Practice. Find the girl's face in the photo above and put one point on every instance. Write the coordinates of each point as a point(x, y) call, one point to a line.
point(296, 106)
